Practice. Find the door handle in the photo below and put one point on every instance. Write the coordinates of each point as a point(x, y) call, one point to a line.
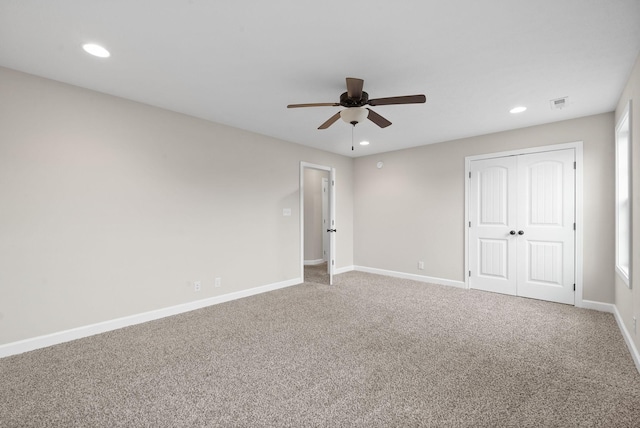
point(521, 232)
point(331, 230)
point(513, 232)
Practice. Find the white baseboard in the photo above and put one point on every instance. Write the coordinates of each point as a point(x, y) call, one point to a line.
point(597, 306)
point(414, 277)
point(89, 330)
point(613, 309)
point(343, 269)
point(627, 338)
point(586, 304)
point(313, 262)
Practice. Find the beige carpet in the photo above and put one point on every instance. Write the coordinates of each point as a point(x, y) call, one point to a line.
point(368, 352)
point(316, 274)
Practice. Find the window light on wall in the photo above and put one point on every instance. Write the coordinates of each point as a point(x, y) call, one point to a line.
point(623, 196)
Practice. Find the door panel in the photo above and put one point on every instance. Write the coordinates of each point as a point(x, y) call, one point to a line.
point(492, 252)
point(543, 180)
point(493, 182)
point(545, 261)
point(546, 213)
point(493, 258)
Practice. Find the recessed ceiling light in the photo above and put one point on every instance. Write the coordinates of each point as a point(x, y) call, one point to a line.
point(96, 50)
point(517, 110)
point(364, 143)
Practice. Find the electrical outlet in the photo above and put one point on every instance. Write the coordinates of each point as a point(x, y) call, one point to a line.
point(197, 285)
point(421, 265)
point(218, 282)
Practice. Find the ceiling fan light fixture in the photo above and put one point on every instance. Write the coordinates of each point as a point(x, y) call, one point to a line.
point(354, 115)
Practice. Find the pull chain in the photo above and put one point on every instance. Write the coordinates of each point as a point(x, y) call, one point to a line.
point(352, 128)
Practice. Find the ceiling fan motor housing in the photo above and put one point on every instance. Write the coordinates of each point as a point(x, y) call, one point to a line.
point(345, 101)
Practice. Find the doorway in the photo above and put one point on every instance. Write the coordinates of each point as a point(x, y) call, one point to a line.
point(324, 228)
point(521, 221)
point(317, 222)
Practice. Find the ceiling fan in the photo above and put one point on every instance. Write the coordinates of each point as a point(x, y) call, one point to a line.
point(355, 99)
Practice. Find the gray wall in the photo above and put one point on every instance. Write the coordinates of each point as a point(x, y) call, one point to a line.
point(628, 300)
point(110, 207)
point(413, 208)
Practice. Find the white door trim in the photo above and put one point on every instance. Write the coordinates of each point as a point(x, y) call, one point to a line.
point(325, 219)
point(331, 263)
point(332, 213)
point(577, 146)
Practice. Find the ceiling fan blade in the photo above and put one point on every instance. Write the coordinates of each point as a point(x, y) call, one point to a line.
point(407, 99)
point(330, 122)
point(354, 88)
point(377, 119)
point(314, 105)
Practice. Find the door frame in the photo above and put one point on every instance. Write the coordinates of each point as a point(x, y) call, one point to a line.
point(577, 146)
point(325, 216)
point(332, 216)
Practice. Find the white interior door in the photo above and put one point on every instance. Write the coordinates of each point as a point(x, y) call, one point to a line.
point(522, 225)
point(546, 234)
point(332, 224)
point(492, 239)
point(325, 219)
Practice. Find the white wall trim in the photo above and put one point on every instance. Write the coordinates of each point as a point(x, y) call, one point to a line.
point(414, 277)
point(598, 306)
point(31, 344)
point(613, 309)
point(344, 269)
point(537, 149)
point(102, 327)
point(578, 299)
point(627, 338)
point(313, 262)
point(585, 304)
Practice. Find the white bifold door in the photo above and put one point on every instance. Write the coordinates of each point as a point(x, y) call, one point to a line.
point(522, 225)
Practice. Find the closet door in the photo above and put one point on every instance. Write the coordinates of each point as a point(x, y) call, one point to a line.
point(546, 235)
point(521, 231)
point(492, 235)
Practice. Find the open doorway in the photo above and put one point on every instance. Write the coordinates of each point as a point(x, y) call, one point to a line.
point(317, 220)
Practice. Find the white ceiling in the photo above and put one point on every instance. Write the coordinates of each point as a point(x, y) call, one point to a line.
point(240, 62)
